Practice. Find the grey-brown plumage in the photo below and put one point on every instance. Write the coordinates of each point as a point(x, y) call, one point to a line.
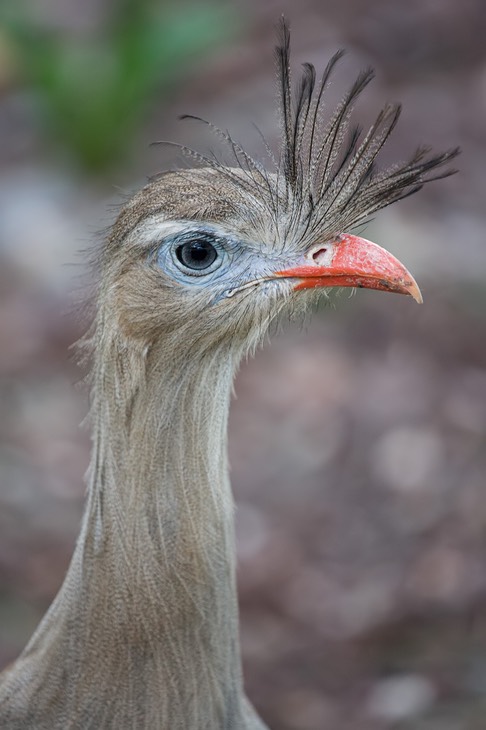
point(144, 631)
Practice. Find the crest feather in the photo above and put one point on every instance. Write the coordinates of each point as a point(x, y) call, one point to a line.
point(329, 169)
point(325, 180)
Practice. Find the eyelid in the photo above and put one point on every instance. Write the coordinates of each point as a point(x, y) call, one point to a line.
point(219, 243)
point(179, 239)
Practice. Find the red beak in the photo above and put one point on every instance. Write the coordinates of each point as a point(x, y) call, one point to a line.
point(353, 261)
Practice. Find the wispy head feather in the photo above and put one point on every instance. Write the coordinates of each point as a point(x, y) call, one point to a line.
point(325, 179)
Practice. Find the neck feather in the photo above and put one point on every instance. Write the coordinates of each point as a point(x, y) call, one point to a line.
point(147, 617)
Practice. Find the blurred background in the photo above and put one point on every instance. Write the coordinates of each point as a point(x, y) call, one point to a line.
point(357, 445)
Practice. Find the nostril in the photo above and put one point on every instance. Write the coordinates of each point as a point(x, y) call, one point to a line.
point(318, 256)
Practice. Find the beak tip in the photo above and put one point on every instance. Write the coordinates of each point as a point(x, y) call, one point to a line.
point(415, 292)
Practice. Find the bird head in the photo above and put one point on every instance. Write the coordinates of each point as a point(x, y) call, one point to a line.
point(215, 252)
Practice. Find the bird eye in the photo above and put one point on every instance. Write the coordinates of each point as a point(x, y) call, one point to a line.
point(197, 254)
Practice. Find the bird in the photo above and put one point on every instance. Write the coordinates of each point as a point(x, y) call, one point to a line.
point(144, 632)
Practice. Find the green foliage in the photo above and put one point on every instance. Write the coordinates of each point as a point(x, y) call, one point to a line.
point(95, 90)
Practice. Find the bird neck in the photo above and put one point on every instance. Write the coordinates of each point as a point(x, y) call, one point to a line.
point(148, 611)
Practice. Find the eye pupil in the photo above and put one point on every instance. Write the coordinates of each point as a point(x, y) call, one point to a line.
point(196, 254)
